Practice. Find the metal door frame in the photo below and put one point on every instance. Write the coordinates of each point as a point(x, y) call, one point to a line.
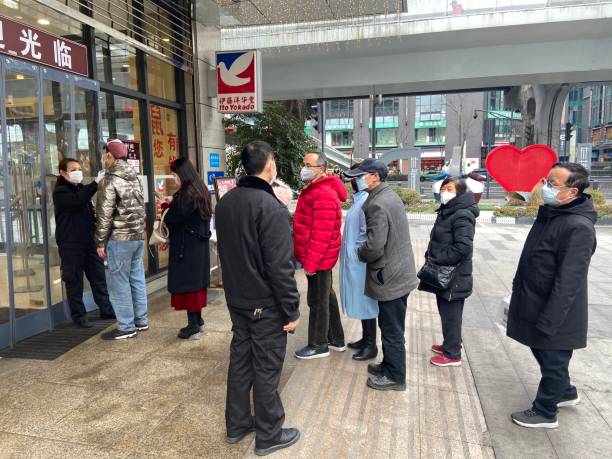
point(36, 322)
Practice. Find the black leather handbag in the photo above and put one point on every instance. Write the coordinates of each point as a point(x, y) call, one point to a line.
point(439, 277)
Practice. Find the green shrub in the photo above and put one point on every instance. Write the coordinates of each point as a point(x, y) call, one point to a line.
point(409, 197)
point(599, 199)
point(429, 207)
point(604, 211)
point(514, 211)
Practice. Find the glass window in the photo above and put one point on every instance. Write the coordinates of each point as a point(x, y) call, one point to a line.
point(165, 142)
point(430, 136)
point(495, 100)
point(389, 107)
point(431, 108)
point(160, 76)
point(339, 109)
point(158, 28)
point(116, 62)
point(386, 137)
point(341, 139)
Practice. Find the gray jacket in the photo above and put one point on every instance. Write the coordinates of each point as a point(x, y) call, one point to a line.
point(391, 272)
point(120, 208)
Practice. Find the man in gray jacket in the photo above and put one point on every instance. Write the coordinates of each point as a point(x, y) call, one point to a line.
point(120, 238)
point(391, 273)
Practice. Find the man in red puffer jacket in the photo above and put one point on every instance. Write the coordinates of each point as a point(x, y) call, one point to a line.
point(316, 224)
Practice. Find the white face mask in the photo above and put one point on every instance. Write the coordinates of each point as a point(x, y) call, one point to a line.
point(306, 174)
point(446, 197)
point(75, 177)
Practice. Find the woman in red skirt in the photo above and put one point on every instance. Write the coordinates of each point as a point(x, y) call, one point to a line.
point(188, 219)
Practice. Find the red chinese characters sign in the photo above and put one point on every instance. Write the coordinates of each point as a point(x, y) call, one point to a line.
point(25, 42)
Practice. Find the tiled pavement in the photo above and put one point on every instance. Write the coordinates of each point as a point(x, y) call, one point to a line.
point(157, 396)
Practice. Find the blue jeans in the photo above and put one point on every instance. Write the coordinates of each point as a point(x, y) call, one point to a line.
point(125, 279)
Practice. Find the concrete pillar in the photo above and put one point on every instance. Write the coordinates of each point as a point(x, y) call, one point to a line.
point(407, 109)
point(209, 122)
point(361, 132)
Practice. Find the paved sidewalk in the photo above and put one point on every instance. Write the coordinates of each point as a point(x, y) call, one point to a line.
point(157, 396)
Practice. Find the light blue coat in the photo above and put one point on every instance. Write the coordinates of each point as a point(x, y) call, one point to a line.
point(355, 303)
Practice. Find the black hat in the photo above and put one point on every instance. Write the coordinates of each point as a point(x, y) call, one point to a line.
point(369, 166)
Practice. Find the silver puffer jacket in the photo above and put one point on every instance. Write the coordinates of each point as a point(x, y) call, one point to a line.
point(120, 209)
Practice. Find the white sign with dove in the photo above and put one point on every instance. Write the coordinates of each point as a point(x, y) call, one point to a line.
point(239, 81)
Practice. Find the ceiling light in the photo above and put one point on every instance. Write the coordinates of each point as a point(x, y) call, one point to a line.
point(43, 21)
point(166, 39)
point(18, 17)
point(19, 77)
point(12, 4)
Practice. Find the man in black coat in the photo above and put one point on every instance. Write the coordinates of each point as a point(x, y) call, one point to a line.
point(74, 233)
point(549, 306)
point(256, 252)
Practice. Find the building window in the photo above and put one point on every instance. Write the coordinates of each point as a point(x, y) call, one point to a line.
point(160, 76)
point(431, 108)
point(609, 104)
point(430, 136)
point(339, 109)
point(597, 106)
point(116, 62)
point(495, 100)
point(386, 137)
point(389, 107)
point(339, 139)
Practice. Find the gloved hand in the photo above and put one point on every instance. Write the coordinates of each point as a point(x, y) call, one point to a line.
point(100, 176)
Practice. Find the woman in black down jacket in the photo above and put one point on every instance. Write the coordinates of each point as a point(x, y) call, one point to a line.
point(188, 220)
point(451, 244)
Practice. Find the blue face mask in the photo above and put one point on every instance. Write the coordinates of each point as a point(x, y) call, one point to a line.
point(549, 195)
point(361, 183)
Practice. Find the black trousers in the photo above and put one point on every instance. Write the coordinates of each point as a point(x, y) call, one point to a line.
point(74, 262)
point(324, 324)
point(257, 353)
point(555, 383)
point(451, 314)
point(391, 321)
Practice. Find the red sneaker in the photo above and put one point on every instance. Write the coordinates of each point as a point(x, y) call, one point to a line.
point(437, 348)
point(441, 360)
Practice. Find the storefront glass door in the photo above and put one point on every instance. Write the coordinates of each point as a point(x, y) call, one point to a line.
point(39, 129)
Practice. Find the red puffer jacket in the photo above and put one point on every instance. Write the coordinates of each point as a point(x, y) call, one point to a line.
point(317, 222)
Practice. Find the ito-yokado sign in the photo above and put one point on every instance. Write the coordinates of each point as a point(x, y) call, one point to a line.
point(239, 81)
point(25, 42)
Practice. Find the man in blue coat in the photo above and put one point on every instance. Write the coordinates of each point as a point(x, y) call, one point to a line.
point(549, 307)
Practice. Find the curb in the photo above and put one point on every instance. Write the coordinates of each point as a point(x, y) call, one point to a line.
point(431, 218)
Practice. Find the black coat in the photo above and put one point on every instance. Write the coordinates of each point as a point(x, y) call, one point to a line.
point(452, 243)
point(75, 221)
point(189, 263)
point(549, 305)
point(256, 249)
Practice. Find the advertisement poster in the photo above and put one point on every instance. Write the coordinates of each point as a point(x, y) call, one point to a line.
point(133, 157)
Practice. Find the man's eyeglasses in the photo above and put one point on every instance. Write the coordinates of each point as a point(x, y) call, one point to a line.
point(546, 182)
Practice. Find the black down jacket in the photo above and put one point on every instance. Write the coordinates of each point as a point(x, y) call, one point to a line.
point(256, 249)
point(549, 305)
point(189, 263)
point(75, 221)
point(452, 243)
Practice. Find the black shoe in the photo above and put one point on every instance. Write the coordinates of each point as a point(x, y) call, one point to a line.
point(375, 369)
point(118, 334)
point(83, 323)
point(569, 401)
point(384, 383)
point(232, 440)
point(531, 418)
point(307, 353)
point(288, 437)
point(356, 344)
point(190, 332)
point(143, 327)
point(108, 316)
point(366, 353)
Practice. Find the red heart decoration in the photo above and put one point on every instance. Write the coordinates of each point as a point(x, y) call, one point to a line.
point(520, 170)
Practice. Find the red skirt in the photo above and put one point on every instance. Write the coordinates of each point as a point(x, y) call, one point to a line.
point(190, 301)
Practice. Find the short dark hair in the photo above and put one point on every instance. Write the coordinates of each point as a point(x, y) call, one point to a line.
point(579, 176)
point(63, 165)
point(255, 156)
point(460, 184)
point(321, 160)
